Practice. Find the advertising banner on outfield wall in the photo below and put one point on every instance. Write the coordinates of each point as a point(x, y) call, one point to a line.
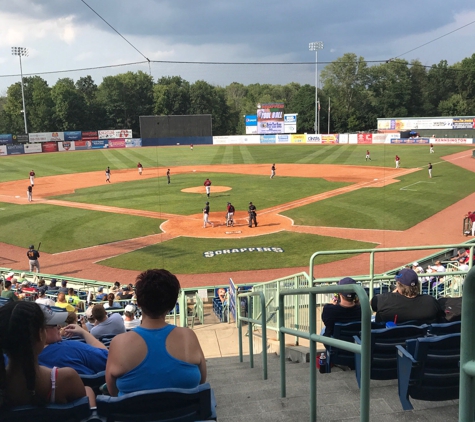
point(3, 150)
point(240, 139)
point(6, 139)
point(365, 138)
point(20, 139)
point(15, 149)
point(290, 123)
point(75, 135)
point(268, 139)
point(133, 143)
point(32, 148)
point(46, 137)
point(381, 138)
point(115, 134)
point(411, 141)
point(270, 118)
point(282, 139)
point(298, 139)
point(313, 139)
point(89, 135)
point(116, 143)
point(417, 123)
point(49, 147)
point(67, 146)
point(330, 139)
point(451, 140)
point(99, 144)
point(463, 123)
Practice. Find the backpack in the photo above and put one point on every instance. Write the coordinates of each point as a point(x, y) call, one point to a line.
point(452, 307)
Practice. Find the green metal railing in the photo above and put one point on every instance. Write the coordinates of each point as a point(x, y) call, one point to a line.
point(251, 321)
point(363, 349)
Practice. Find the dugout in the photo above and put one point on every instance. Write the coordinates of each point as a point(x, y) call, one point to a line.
point(169, 130)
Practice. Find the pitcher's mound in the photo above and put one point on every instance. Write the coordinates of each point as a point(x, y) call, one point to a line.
point(202, 189)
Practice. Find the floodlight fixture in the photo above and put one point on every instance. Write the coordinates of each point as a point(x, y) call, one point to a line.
point(22, 52)
point(315, 46)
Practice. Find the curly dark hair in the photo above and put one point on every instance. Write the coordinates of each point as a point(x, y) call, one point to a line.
point(157, 292)
point(409, 291)
point(20, 327)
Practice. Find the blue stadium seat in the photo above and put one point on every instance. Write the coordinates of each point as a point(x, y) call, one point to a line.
point(445, 328)
point(428, 369)
point(170, 405)
point(94, 381)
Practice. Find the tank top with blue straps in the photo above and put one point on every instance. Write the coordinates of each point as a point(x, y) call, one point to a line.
point(159, 369)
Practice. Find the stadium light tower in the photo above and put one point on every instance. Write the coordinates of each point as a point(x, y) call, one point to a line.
point(315, 46)
point(21, 51)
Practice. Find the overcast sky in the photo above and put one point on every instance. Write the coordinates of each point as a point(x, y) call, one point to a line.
point(64, 35)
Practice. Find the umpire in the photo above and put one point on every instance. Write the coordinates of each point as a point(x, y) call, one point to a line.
point(252, 214)
point(33, 256)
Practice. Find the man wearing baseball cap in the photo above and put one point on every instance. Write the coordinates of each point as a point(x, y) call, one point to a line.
point(406, 303)
point(86, 358)
point(344, 308)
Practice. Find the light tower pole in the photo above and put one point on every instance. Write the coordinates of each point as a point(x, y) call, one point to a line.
point(315, 46)
point(21, 51)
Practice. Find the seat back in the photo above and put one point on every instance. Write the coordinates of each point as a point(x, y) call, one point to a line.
point(436, 375)
point(172, 405)
point(445, 328)
point(69, 412)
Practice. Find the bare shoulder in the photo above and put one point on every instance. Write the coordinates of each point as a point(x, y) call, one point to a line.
point(125, 338)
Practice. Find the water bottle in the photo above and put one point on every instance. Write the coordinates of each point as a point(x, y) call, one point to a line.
point(323, 363)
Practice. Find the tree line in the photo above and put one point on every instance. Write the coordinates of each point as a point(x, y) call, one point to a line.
point(358, 94)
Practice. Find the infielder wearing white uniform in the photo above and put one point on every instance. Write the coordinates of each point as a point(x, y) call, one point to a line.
point(32, 178)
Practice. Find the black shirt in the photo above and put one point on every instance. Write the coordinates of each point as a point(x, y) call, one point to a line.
point(337, 313)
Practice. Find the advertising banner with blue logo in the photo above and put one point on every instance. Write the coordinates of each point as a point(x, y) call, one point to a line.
point(463, 123)
point(268, 139)
point(15, 149)
point(283, 139)
point(270, 118)
point(133, 143)
point(251, 119)
point(99, 144)
point(75, 135)
point(6, 139)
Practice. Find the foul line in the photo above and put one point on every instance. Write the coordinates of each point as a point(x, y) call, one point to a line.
point(414, 190)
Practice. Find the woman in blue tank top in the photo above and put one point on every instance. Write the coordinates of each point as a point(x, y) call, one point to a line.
point(156, 354)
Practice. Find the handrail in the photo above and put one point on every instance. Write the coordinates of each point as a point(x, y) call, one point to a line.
point(250, 321)
point(467, 350)
point(363, 349)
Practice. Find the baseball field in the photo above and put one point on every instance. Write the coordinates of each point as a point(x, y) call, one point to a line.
point(323, 197)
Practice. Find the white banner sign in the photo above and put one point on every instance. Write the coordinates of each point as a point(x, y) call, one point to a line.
point(115, 134)
point(46, 137)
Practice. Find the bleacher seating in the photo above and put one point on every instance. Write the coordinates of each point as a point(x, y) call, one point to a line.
point(428, 369)
point(445, 328)
point(171, 405)
point(383, 350)
point(94, 381)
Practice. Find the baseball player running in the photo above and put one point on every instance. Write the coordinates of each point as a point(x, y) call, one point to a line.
point(33, 256)
point(32, 178)
point(206, 216)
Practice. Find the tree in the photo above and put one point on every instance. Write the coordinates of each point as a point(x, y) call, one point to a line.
point(171, 96)
point(440, 86)
point(303, 103)
point(94, 113)
point(69, 105)
point(454, 106)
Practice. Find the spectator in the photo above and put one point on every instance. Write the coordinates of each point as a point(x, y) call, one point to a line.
point(61, 303)
point(436, 268)
point(10, 276)
point(417, 268)
point(41, 283)
point(86, 358)
point(42, 299)
point(471, 216)
point(406, 303)
point(8, 292)
point(106, 326)
point(111, 304)
point(130, 321)
point(64, 287)
point(345, 307)
point(22, 278)
point(73, 299)
point(126, 292)
point(463, 266)
point(100, 294)
point(24, 381)
point(156, 354)
point(52, 285)
point(116, 287)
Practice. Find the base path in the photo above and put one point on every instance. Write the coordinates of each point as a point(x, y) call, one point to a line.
point(442, 228)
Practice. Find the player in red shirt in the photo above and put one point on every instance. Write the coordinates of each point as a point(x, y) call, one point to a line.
point(207, 185)
point(32, 178)
point(140, 168)
point(398, 160)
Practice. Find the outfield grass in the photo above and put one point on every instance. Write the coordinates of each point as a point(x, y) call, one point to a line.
point(156, 195)
point(185, 255)
point(62, 229)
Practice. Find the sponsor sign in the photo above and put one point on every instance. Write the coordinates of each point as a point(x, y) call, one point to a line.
point(270, 118)
point(240, 139)
point(75, 135)
point(451, 140)
point(298, 139)
point(422, 123)
point(211, 254)
point(99, 144)
point(89, 135)
point(133, 143)
point(283, 139)
point(6, 139)
point(268, 139)
point(365, 138)
point(45, 137)
point(3, 150)
point(251, 130)
point(314, 139)
point(15, 149)
point(116, 143)
point(67, 146)
point(290, 128)
point(251, 119)
point(417, 141)
point(380, 138)
point(290, 119)
point(115, 134)
point(330, 139)
point(32, 148)
point(20, 139)
point(463, 123)
point(82, 145)
point(49, 147)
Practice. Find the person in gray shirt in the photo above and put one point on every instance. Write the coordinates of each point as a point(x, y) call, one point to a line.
point(105, 326)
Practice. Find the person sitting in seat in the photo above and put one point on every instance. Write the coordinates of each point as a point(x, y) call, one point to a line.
point(7, 292)
point(52, 285)
point(62, 303)
point(344, 308)
point(42, 299)
point(23, 381)
point(106, 326)
point(130, 321)
point(111, 304)
point(406, 303)
point(156, 354)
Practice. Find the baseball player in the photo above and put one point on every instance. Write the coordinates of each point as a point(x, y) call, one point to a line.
point(230, 215)
point(431, 150)
point(33, 256)
point(32, 178)
point(168, 176)
point(252, 214)
point(272, 171)
point(430, 170)
point(398, 160)
point(368, 156)
point(207, 185)
point(191, 147)
point(29, 193)
point(108, 174)
point(206, 216)
point(140, 168)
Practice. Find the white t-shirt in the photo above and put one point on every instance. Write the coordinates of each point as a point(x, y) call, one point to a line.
point(45, 301)
point(112, 325)
point(129, 325)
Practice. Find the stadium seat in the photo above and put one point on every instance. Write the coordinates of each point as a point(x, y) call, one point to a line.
point(170, 405)
point(94, 381)
point(428, 369)
point(445, 328)
point(384, 352)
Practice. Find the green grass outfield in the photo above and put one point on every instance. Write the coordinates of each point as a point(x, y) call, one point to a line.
point(397, 206)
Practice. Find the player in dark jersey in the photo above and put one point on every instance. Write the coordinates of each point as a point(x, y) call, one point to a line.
point(252, 214)
point(33, 256)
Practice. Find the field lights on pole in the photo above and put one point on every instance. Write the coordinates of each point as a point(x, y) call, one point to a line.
point(315, 46)
point(21, 51)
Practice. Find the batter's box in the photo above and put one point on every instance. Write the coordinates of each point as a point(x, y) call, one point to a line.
point(413, 184)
